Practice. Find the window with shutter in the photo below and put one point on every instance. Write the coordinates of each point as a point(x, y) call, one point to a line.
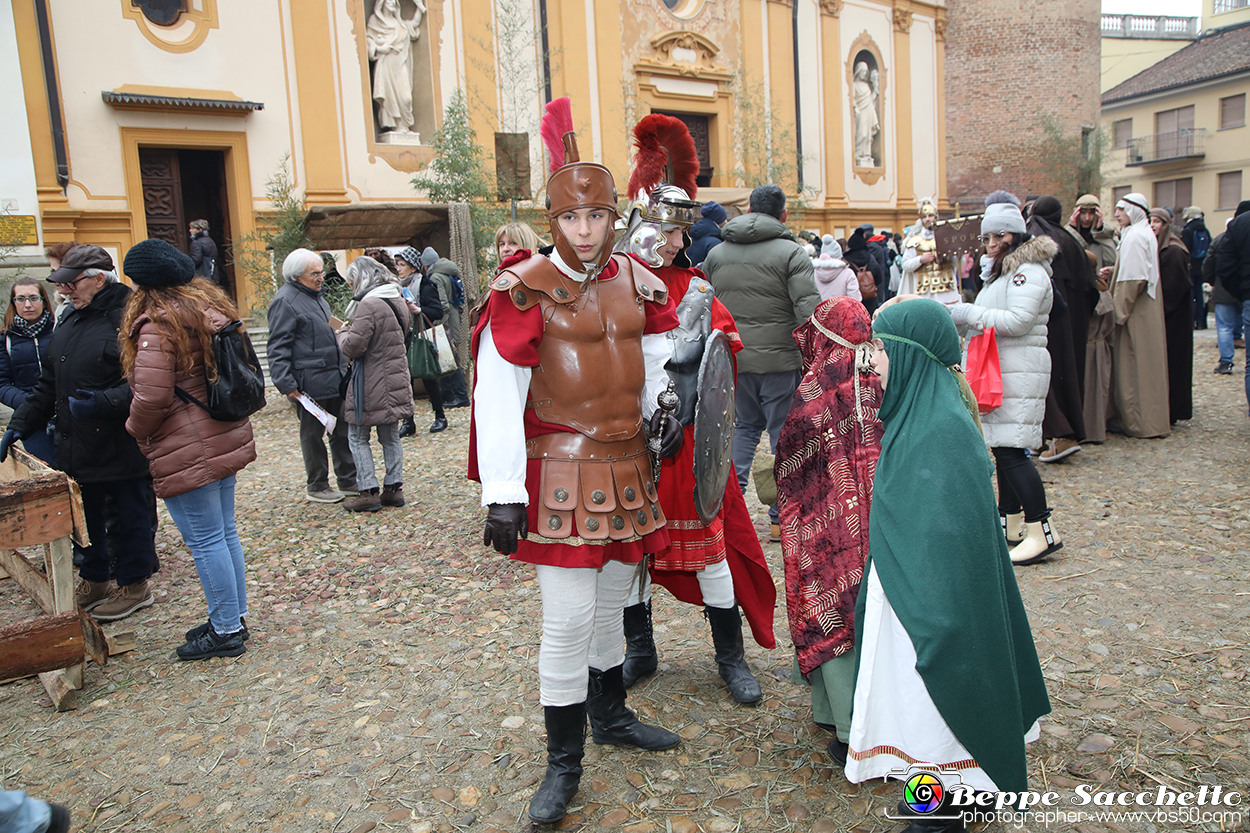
point(1230, 190)
point(1123, 132)
point(1233, 111)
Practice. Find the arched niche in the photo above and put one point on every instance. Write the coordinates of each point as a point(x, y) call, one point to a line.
point(866, 92)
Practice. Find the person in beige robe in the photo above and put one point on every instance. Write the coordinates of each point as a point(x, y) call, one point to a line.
point(1099, 241)
point(1139, 361)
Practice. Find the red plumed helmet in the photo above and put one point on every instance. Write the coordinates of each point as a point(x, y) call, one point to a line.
point(665, 154)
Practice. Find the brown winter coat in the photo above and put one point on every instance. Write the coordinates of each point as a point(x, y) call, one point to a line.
point(186, 448)
point(374, 342)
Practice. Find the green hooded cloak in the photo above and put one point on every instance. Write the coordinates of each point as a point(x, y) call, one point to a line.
point(937, 543)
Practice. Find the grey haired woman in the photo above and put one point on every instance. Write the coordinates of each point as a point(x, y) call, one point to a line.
point(377, 393)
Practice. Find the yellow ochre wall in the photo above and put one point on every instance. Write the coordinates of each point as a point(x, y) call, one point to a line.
point(1225, 150)
point(617, 59)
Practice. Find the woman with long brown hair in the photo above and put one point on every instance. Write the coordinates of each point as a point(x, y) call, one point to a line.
point(166, 346)
point(28, 324)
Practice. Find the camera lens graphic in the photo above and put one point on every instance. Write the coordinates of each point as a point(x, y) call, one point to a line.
point(923, 792)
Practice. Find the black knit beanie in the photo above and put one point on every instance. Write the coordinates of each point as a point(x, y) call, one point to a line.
point(155, 263)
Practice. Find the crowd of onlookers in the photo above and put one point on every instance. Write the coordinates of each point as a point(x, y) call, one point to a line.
point(1093, 323)
point(1110, 305)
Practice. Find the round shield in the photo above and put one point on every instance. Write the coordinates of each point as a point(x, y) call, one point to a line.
point(713, 427)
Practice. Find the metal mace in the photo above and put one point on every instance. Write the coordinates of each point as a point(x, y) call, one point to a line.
point(667, 402)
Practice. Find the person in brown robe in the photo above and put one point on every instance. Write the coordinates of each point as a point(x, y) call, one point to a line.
point(1139, 370)
point(1099, 241)
point(1178, 319)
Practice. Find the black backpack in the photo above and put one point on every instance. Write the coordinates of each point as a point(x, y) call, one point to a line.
point(239, 390)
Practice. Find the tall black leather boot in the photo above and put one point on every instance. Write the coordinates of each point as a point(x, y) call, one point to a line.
point(640, 656)
point(726, 625)
point(566, 741)
point(612, 722)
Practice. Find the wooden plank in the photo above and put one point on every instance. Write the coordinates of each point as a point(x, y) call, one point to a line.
point(95, 643)
point(47, 643)
point(58, 564)
point(79, 517)
point(120, 643)
point(60, 688)
point(16, 466)
point(35, 515)
point(31, 580)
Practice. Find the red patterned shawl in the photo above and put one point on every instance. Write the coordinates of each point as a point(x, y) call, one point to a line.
point(826, 456)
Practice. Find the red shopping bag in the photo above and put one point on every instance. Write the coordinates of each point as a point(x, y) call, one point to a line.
point(984, 374)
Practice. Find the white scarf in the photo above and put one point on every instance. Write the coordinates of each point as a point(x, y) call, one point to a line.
point(1138, 257)
point(382, 290)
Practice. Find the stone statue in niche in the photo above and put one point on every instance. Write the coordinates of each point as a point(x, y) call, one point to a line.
point(389, 39)
point(867, 95)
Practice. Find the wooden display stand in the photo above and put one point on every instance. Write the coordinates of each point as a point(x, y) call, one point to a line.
point(42, 507)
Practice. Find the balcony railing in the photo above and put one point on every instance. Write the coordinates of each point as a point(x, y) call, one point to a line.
point(1155, 27)
point(1167, 147)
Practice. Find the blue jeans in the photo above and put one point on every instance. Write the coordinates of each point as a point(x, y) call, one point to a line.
point(1227, 321)
point(19, 813)
point(762, 401)
point(205, 517)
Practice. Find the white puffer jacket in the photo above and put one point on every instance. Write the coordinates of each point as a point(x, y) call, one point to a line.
point(1017, 304)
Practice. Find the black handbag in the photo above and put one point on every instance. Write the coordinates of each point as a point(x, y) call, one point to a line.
point(239, 389)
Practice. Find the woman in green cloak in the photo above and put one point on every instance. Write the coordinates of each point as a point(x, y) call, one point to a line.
point(948, 675)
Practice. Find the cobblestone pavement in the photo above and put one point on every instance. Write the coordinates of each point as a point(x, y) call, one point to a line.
point(390, 683)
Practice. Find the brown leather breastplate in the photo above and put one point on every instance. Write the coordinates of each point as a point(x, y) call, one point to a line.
point(596, 485)
point(591, 372)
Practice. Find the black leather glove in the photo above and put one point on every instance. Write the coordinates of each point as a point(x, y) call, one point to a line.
point(10, 437)
point(674, 434)
point(504, 523)
point(82, 404)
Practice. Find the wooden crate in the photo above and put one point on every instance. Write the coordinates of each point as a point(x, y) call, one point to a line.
point(42, 507)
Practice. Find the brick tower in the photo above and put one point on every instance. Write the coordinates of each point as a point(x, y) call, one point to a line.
point(1012, 65)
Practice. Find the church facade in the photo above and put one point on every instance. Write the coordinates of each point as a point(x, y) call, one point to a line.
point(142, 115)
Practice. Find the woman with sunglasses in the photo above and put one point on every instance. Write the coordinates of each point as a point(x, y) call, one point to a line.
point(28, 326)
point(1016, 300)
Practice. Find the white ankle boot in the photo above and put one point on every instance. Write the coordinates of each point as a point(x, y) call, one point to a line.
point(1013, 527)
point(1039, 541)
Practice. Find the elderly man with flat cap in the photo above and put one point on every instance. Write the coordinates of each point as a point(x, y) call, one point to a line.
point(84, 388)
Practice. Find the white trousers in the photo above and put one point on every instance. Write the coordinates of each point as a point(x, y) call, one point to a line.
point(716, 584)
point(582, 627)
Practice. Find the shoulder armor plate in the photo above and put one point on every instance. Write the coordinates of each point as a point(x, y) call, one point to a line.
point(648, 285)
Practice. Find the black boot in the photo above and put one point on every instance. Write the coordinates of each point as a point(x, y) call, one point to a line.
point(566, 741)
point(407, 427)
point(640, 657)
point(726, 625)
point(612, 722)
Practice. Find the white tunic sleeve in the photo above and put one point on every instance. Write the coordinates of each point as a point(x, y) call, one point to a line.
point(499, 428)
point(655, 354)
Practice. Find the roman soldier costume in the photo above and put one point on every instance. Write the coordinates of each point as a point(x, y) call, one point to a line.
point(570, 359)
point(713, 557)
point(935, 279)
